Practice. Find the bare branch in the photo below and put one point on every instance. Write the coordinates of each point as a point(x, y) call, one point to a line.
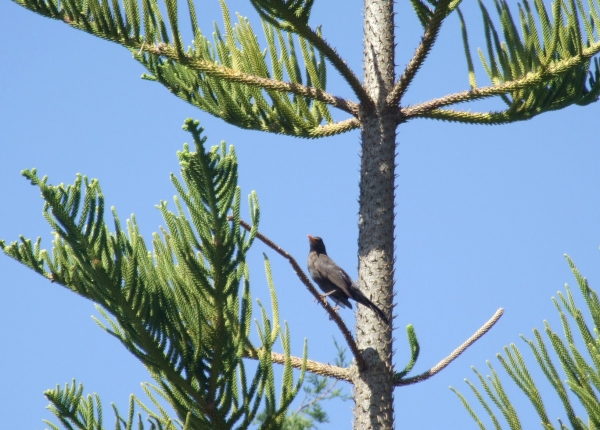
point(446, 361)
point(318, 297)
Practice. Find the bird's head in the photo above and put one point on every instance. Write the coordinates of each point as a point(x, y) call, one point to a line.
point(316, 244)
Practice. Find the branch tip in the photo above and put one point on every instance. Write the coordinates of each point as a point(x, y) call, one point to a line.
point(454, 355)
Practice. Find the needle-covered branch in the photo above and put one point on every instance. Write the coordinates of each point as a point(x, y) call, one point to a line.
point(229, 77)
point(431, 109)
point(85, 412)
point(184, 309)
point(569, 362)
point(432, 22)
point(315, 367)
point(294, 18)
point(229, 74)
point(548, 66)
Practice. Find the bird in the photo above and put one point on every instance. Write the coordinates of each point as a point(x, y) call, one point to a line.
point(334, 281)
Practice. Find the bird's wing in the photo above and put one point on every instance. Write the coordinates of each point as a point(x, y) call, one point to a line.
point(334, 274)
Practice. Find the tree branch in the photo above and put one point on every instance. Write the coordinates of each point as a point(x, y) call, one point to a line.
point(335, 128)
point(446, 361)
point(338, 62)
point(303, 30)
point(315, 367)
point(433, 28)
point(487, 118)
point(215, 69)
point(560, 67)
point(318, 297)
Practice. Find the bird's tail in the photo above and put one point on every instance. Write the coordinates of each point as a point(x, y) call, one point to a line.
point(363, 300)
point(379, 312)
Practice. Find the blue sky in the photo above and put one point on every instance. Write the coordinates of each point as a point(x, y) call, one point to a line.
point(484, 214)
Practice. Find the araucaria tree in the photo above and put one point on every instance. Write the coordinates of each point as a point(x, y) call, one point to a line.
point(194, 285)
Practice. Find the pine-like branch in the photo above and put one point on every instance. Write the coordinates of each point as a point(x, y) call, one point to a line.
point(431, 109)
point(229, 79)
point(432, 26)
point(183, 310)
point(339, 373)
point(532, 74)
point(579, 371)
point(293, 17)
point(232, 75)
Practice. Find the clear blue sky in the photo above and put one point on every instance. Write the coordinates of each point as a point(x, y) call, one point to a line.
point(484, 214)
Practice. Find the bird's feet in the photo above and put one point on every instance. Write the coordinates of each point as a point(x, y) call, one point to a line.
point(324, 297)
point(321, 296)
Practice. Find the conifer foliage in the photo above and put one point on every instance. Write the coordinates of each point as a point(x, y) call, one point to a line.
point(183, 309)
point(548, 65)
point(579, 360)
point(225, 78)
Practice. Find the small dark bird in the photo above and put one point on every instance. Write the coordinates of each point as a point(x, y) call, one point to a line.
point(333, 281)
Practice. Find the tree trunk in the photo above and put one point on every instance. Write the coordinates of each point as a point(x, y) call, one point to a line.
point(373, 388)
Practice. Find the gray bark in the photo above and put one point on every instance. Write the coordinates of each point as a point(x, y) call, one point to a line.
point(373, 387)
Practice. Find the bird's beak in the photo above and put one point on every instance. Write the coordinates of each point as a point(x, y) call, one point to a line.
point(311, 239)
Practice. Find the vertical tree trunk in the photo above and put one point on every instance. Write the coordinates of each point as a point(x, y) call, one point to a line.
point(373, 387)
